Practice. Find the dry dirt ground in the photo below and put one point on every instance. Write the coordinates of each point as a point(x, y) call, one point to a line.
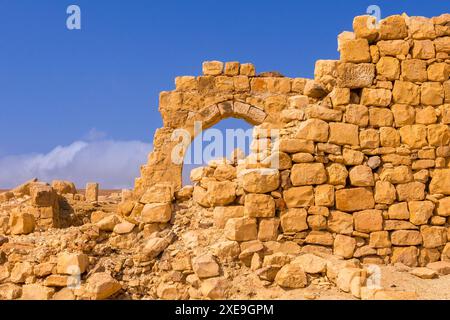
point(193, 227)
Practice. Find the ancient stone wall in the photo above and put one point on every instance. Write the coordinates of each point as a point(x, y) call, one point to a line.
point(363, 155)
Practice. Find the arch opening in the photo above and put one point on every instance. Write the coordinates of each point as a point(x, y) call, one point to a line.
point(215, 142)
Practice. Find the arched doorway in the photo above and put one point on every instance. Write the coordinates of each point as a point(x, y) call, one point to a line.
point(218, 141)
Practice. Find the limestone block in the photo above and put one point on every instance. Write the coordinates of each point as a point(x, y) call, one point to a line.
point(368, 221)
point(21, 222)
point(380, 117)
point(355, 50)
point(156, 213)
point(223, 214)
point(361, 176)
point(72, 263)
point(432, 93)
point(406, 93)
point(389, 68)
point(411, 191)
point(423, 49)
point(357, 114)
point(399, 211)
point(299, 197)
point(340, 222)
point(241, 229)
point(414, 70)
point(344, 246)
point(337, 174)
point(259, 206)
point(260, 180)
point(354, 199)
point(313, 129)
point(212, 68)
point(393, 27)
point(344, 134)
point(294, 220)
point(376, 97)
point(420, 211)
point(308, 174)
point(355, 76)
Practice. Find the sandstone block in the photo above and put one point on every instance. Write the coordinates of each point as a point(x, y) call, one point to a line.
point(63, 187)
point(357, 114)
point(36, 292)
point(389, 137)
point(440, 182)
point(296, 145)
point(393, 47)
point(415, 136)
point(365, 27)
point(154, 246)
point(380, 117)
point(432, 94)
point(438, 135)
point(379, 239)
point(337, 174)
point(324, 195)
point(414, 70)
point(311, 263)
point(91, 193)
point(205, 266)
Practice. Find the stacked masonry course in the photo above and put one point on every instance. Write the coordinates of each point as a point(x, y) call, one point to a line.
point(364, 150)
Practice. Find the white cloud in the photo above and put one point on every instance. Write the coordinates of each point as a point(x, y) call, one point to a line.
point(113, 164)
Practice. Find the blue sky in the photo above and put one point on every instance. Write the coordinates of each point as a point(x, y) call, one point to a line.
point(102, 82)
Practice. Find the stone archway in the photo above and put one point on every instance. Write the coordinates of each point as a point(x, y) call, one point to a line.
point(162, 168)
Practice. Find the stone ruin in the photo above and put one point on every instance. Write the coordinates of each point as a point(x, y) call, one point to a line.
point(362, 173)
point(363, 150)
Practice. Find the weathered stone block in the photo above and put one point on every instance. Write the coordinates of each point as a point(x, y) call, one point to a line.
point(354, 199)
